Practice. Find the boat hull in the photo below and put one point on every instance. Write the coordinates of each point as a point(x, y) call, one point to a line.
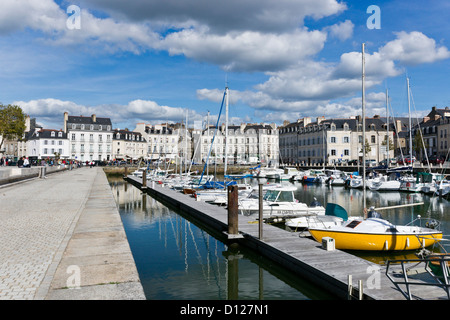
point(377, 241)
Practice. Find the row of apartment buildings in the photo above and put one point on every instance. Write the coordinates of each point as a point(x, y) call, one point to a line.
point(306, 140)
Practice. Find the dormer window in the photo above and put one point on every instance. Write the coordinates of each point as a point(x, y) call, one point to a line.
point(82, 127)
point(52, 133)
point(60, 134)
point(92, 127)
point(74, 126)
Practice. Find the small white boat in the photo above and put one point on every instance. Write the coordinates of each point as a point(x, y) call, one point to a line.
point(384, 183)
point(138, 172)
point(269, 173)
point(335, 215)
point(315, 176)
point(356, 182)
point(220, 196)
point(337, 178)
point(279, 202)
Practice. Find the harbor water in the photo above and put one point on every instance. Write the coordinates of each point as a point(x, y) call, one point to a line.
point(178, 260)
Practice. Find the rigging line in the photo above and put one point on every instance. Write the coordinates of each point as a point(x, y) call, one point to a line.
point(420, 131)
point(199, 255)
point(214, 136)
point(209, 257)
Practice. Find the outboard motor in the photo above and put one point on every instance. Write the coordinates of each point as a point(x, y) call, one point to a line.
point(373, 214)
point(432, 224)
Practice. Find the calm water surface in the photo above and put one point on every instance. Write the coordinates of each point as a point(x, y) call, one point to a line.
point(177, 260)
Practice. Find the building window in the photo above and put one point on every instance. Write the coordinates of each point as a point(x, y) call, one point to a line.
point(346, 139)
point(333, 139)
point(372, 139)
point(333, 152)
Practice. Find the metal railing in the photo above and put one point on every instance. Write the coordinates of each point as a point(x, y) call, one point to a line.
point(435, 265)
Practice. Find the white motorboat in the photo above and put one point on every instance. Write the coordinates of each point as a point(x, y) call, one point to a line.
point(288, 174)
point(356, 182)
point(384, 183)
point(335, 215)
point(270, 173)
point(220, 196)
point(274, 173)
point(279, 202)
point(337, 178)
point(315, 176)
point(138, 172)
point(415, 184)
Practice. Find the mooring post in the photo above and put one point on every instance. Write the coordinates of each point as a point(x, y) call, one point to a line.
point(260, 223)
point(232, 210)
point(125, 173)
point(144, 179)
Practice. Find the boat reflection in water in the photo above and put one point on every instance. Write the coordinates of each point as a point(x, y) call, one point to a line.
point(176, 260)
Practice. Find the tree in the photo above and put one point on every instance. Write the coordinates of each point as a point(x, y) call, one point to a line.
point(391, 145)
point(419, 145)
point(12, 123)
point(367, 147)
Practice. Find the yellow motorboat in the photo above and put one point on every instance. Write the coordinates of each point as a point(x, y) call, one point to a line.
point(377, 234)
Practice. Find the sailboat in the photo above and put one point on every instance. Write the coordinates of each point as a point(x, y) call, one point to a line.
point(372, 232)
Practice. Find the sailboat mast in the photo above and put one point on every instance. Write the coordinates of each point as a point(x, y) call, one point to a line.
point(410, 126)
point(226, 131)
point(364, 126)
point(207, 130)
point(186, 144)
point(387, 129)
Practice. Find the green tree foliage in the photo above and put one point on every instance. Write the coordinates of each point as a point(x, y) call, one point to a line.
point(12, 123)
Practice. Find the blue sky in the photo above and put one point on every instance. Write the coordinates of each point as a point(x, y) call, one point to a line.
point(154, 61)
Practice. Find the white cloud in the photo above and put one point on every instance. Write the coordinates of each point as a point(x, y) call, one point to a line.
point(413, 48)
point(246, 51)
point(44, 15)
point(265, 16)
point(50, 112)
point(342, 30)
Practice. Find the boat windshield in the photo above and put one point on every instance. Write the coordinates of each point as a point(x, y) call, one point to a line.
point(279, 196)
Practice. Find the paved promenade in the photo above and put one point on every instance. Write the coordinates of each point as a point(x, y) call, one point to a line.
point(62, 238)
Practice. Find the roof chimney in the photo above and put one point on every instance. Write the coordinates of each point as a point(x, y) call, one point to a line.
point(66, 119)
point(94, 118)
